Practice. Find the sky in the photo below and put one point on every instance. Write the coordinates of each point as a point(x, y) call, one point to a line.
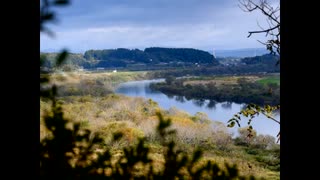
point(108, 24)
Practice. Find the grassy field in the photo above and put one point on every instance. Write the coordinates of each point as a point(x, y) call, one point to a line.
point(92, 83)
point(233, 80)
point(221, 80)
point(107, 77)
point(270, 79)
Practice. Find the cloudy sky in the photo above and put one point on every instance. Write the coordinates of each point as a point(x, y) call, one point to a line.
point(108, 24)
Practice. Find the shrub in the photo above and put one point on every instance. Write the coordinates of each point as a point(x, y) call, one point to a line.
point(245, 137)
point(201, 118)
point(263, 141)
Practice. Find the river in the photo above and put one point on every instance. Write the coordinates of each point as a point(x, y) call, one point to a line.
point(216, 111)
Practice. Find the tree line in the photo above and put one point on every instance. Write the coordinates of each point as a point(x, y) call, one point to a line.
point(122, 57)
point(243, 92)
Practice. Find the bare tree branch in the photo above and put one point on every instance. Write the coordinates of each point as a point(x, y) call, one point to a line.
point(273, 21)
point(263, 31)
point(271, 118)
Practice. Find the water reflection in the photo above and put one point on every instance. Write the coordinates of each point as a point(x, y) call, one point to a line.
point(170, 96)
point(188, 98)
point(198, 102)
point(212, 104)
point(226, 105)
point(180, 99)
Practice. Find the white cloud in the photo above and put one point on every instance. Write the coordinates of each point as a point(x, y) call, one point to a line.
point(206, 25)
point(194, 36)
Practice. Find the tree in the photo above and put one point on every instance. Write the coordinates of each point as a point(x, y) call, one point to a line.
point(273, 45)
point(170, 79)
point(264, 141)
point(245, 137)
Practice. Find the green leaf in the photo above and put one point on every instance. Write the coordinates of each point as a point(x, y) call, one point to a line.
point(231, 124)
point(258, 108)
point(232, 119)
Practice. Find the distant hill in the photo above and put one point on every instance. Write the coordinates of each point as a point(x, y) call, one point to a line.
point(241, 53)
point(152, 55)
point(75, 59)
point(264, 59)
point(180, 55)
point(121, 57)
point(265, 63)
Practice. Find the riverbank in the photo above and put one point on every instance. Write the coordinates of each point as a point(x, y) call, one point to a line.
point(93, 83)
point(262, 89)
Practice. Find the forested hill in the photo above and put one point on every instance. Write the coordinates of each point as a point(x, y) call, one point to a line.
point(155, 57)
point(264, 59)
point(180, 55)
point(152, 55)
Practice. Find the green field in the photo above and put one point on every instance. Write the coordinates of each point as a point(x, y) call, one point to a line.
point(271, 79)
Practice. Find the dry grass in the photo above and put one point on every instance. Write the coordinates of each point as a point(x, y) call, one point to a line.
point(91, 83)
point(226, 80)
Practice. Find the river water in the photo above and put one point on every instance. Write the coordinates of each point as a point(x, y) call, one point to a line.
point(216, 111)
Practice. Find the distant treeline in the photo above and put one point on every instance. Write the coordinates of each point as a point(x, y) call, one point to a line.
point(264, 59)
point(243, 92)
point(173, 61)
point(218, 70)
point(250, 65)
point(122, 57)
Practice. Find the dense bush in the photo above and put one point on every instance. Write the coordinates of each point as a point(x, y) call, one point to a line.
point(242, 92)
point(85, 87)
